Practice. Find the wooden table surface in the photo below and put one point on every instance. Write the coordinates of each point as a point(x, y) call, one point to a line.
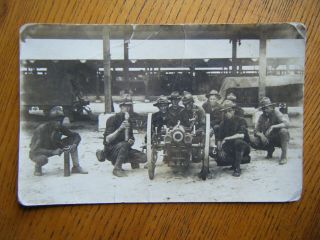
point(299, 220)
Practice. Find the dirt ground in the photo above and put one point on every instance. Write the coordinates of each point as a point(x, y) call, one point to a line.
point(261, 180)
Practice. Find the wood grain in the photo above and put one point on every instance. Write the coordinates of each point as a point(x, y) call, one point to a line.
point(300, 220)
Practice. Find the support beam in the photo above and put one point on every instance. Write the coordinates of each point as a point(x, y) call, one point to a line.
point(234, 56)
point(126, 61)
point(262, 66)
point(98, 99)
point(107, 73)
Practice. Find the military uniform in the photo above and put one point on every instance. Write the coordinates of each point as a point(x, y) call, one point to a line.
point(119, 151)
point(196, 115)
point(215, 113)
point(159, 119)
point(278, 137)
point(174, 115)
point(174, 110)
point(47, 138)
point(238, 110)
point(236, 150)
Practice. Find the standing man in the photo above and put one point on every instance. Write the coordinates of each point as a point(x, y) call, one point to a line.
point(48, 141)
point(118, 141)
point(271, 130)
point(175, 109)
point(233, 140)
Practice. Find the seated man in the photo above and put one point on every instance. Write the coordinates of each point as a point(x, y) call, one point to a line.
point(118, 140)
point(193, 116)
point(271, 131)
point(233, 140)
point(175, 109)
point(213, 107)
point(48, 140)
point(161, 118)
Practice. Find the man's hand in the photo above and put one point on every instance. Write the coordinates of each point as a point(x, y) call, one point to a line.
point(269, 131)
point(264, 139)
point(125, 124)
point(57, 151)
point(131, 141)
point(73, 148)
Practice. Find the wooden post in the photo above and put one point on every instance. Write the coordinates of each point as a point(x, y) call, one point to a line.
point(67, 164)
point(98, 86)
point(126, 61)
point(262, 66)
point(146, 81)
point(234, 56)
point(107, 74)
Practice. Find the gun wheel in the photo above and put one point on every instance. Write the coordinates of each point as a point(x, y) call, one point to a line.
point(151, 152)
point(205, 166)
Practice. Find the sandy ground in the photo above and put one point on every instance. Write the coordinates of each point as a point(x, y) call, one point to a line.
point(261, 180)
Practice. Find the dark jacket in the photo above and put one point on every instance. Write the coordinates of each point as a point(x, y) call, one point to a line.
point(229, 127)
point(49, 136)
point(276, 117)
point(196, 113)
point(159, 120)
point(174, 115)
point(113, 123)
point(215, 113)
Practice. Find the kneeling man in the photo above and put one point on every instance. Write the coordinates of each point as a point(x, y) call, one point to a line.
point(271, 130)
point(119, 139)
point(233, 139)
point(51, 139)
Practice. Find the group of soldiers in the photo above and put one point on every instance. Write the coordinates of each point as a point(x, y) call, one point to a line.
point(228, 129)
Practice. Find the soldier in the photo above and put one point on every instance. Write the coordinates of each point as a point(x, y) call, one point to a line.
point(118, 141)
point(175, 109)
point(48, 141)
point(191, 115)
point(161, 118)
point(233, 140)
point(238, 110)
point(271, 131)
point(213, 107)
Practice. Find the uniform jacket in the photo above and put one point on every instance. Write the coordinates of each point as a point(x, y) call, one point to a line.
point(275, 117)
point(112, 124)
point(49, 136)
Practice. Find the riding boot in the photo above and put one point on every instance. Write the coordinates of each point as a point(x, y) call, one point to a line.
point(117, 170)
point(37, 170)
point(236, 164)
point(76, 166)
point(270, 152)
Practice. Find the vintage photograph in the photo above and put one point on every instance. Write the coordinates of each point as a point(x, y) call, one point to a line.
point(161, 113)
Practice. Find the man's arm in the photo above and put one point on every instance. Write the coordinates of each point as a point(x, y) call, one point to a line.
point(36, 147)
point(240, 132)
point(235, 136)
point(66, 132)
point(111, 132)
point(284, 122)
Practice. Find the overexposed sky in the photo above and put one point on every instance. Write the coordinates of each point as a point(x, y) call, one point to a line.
point(156, 49)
